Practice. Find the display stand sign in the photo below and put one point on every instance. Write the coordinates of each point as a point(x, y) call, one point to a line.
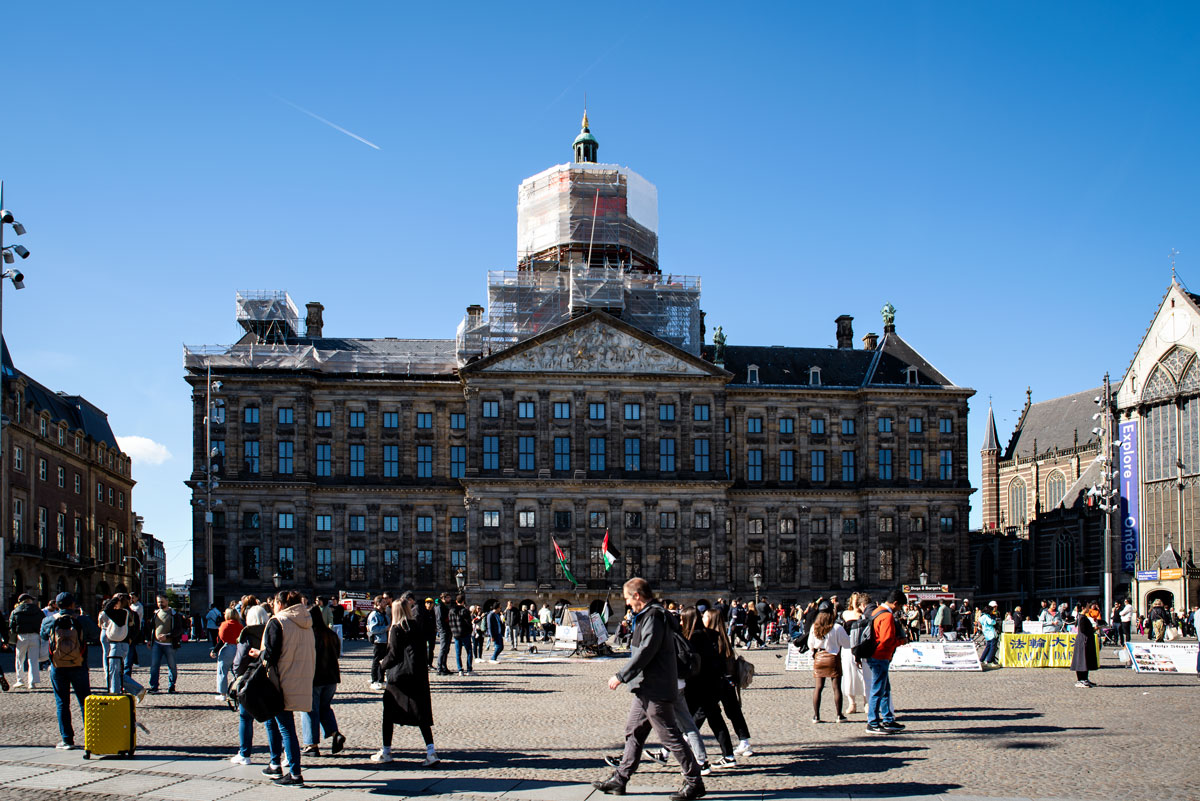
point(796, 660)
point(599, 628)
point(1038, 650)
point(928, 592)
point(936, 656)
point(355, 601)
point(1163, 657)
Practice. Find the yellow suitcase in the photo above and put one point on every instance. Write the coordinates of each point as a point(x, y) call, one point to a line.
point(109, 726)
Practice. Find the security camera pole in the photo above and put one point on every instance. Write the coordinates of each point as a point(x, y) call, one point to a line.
point(17, 278)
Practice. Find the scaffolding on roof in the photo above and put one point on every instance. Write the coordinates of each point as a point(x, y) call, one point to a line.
point(421, 357)
point(269, 315)
point(523, 304)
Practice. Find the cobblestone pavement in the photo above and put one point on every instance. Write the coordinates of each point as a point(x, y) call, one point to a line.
point(537, 730)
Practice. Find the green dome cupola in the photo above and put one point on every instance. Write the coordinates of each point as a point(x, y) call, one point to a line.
point(585, 144)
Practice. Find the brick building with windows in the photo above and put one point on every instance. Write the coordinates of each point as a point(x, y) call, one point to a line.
point(584, 403)
point(69, 498)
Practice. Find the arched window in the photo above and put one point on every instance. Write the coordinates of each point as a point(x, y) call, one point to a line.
point(1065, 560)
point(1017, 514)
point(1056, 487)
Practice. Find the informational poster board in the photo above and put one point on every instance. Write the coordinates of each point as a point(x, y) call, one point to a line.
point(936, 656)
point(797, 660)
point(1163, 657)
point(1038, 650)
point(599, 628)
point(566, 636)
point(355, 601)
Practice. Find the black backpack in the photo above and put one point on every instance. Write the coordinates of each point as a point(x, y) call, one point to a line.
point(862, 636)
point(687, 661)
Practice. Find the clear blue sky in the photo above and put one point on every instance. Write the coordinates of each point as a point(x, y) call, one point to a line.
point(1010, 176)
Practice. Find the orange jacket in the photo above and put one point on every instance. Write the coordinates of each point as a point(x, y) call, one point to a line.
point(886, 636)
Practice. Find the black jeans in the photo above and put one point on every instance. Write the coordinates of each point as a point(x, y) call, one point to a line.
point(444, 653)
point(379, 650)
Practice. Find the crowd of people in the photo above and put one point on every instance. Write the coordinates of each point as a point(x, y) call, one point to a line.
point(280, 656)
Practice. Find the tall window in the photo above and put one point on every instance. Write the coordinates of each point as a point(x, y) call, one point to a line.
point(666, 412)
point(947, 524)
point(287, 563)
point(458, 421)
point(526, 518)
point(250, 454)
point(491, 453)
point(666, 454)
point(702, 563)
point(458, 525)
point(424, 565)
point(358, 419)
point(251, 562)
point(595, 562)
point(324, 522)
point(596, 411)
point(597, 520)
point(391, 564)
point(945, 425)
point(562, 453)
point(324, 564)
point(558, 566)
point(946, 465)
point(250, 415)
point(424, 419)
point(562, 520)
point(754, 425)
point(816, 425)
point(491, 562)
point(633, 411)
point(787, 465)
point(562, 410)
point(1065, 560)
point(633, 453)
point(358, 457)
point(887, 564)
point(424, 461)
point(425, 524)
point(1016, 503)
point(754, 464)
point(916, 464)
point(391, 461)
point(700, 461)
point(358, 564)
point(848, 466)
point(525, 410)
point(286, 451)
point(820, 566)
point(817, 466)
point(525, 453)
point(527, 563)
point(787, 425)
point(885, 425)
point(491, 408)
point(667, 520)
point(915, 425)
point(286, 415)
point(666, 564)
point(787, 566)
point(491, 518)
point(323, 419)
point(885, 464)
point(596, 453)
point(324, 458)
point(391, 419)
point(391, 524)
point(700, 412)
point(633, 561)
point(1056, 487)
point(847, 426)
point(458, 461)
point(849, 567)
point(633, 520)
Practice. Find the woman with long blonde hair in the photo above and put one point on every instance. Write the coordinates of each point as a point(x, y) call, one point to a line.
point(853, 685)
point(406, 700)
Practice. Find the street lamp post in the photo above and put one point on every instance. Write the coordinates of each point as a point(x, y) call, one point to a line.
point(758, 580)
point(18, 280)
point(277, 579)
point(461, 580)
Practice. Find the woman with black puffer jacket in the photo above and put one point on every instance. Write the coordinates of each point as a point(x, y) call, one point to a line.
point(326, 678)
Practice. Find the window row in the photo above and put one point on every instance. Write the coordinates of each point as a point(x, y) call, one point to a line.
point(69, 535)
point(104, 455)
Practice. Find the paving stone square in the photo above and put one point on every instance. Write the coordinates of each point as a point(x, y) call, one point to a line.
point(536, 730)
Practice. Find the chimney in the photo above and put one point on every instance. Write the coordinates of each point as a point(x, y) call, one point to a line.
point(314, 324)
point(474, 315)
point(845, 331)
point(870, 341)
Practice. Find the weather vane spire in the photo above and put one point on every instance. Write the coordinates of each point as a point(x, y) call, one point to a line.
point(1170, 255)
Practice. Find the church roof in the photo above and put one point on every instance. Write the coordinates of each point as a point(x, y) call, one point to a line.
point(991, 440)
point(77, 412)
point(1060, 423)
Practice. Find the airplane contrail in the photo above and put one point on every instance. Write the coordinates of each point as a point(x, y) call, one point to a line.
point(332, 125)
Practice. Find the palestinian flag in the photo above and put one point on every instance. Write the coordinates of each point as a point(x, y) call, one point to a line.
point(562, 561)
point(610, 554)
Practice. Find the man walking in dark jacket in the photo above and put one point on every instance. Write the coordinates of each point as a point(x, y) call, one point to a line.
point(444, 633)
point(653, 678)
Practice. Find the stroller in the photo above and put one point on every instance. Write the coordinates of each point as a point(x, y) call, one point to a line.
point(1110, 635)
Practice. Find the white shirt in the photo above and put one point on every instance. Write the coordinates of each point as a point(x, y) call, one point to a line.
point(1127, 613)
point(834, 641)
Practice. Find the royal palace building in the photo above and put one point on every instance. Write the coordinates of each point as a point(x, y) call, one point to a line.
point(581, 402)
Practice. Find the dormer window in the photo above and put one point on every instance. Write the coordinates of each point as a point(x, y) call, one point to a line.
point(910, 376)
point(814, 376)
point(752, 374)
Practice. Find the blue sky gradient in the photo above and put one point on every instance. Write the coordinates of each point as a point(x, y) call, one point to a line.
point(1010, 176)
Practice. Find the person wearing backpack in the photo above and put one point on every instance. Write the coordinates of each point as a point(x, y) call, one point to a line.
point(24, 624)
point(114, 639)
point(886, 637)
point(67, 639)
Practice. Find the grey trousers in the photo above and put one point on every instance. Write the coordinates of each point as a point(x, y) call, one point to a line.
point(645, 714)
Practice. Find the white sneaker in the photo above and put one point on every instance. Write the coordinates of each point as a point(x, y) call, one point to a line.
point(238, 759)
point(743, 749)
point(376, 685)
point(66, 747)
point(219, 697)
point(492, 661)
point(431, 759)
point(384, 755)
